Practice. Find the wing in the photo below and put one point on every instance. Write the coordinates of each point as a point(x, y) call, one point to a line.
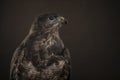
point(15, 62)
point(67, 68)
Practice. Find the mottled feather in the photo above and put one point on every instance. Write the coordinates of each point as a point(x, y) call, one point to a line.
point(42, 55)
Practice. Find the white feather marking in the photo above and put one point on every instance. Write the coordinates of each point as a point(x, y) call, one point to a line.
point(30, 68)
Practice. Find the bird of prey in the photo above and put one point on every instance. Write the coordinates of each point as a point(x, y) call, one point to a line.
point(42, 54)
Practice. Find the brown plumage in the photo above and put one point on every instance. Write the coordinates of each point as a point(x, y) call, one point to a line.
point(42, 55)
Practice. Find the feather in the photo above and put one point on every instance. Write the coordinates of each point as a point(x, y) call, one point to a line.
point(42, 55)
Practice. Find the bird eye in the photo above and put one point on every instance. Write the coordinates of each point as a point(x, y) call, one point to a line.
point(51, 18)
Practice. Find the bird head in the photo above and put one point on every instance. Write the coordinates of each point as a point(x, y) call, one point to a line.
point(49, 22)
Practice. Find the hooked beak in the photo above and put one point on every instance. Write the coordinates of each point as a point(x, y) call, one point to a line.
point(62, 20)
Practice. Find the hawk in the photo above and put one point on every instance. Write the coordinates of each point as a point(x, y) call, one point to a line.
point(42, 54)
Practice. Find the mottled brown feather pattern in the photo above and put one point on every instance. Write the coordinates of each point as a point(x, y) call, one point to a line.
point(42, 55)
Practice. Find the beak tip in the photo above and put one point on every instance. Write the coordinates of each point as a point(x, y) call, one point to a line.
point(65, 22)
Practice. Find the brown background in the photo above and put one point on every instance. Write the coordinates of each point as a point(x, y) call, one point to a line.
point(92, 34)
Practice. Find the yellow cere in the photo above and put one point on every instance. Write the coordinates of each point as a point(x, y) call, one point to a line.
point(62, 18)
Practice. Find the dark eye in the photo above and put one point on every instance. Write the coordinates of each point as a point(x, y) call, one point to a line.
point(51, 18)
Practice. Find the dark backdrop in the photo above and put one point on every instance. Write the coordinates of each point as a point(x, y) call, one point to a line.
point(92, 34)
